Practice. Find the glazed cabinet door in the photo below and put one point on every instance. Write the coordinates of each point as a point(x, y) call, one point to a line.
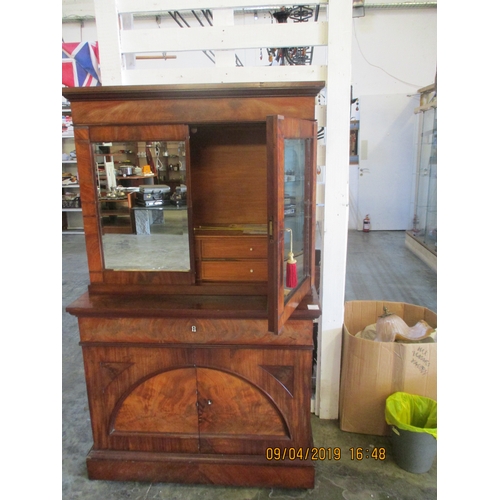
point(291, 214)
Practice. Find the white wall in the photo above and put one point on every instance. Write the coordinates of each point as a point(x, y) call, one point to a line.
point(394, 53)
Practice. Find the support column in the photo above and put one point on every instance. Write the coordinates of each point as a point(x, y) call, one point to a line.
point(336, 210)
point(224, 17)
point(108, 34)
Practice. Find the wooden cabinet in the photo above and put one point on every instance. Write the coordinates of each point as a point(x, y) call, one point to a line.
point(197, 343)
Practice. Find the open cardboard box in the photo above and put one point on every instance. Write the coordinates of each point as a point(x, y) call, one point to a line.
point(372, 371)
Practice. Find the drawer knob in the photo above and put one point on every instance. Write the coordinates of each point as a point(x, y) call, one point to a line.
point(251, 249)
point(251, 270)
point(193, 329)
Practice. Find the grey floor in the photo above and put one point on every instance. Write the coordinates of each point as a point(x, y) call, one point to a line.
point(379, 267)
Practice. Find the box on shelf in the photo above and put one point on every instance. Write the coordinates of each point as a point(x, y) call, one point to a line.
point(371, 371)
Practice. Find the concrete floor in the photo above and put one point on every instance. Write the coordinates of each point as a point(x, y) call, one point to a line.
point(379, 267)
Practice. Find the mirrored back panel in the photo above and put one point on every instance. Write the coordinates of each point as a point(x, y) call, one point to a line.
point(142, 201)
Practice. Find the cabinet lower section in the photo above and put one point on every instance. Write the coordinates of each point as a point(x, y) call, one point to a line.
point(165, 406)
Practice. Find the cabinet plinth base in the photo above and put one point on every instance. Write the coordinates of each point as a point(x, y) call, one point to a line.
point(228, 470)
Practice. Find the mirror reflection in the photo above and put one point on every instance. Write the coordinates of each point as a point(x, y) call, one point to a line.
point(143, 205)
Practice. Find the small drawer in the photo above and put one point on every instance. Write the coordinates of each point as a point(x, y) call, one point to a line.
point(245, 270)
point(233, 247)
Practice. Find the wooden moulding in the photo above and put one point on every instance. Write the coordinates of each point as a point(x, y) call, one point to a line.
point(194, 91)
point(189, 468)
point(200, 306)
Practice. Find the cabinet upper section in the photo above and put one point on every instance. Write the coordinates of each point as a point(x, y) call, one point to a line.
point(204, 190)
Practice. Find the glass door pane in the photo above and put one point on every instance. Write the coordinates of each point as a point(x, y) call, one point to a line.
point(291, 178)
point(425, 217)
point(294, 214)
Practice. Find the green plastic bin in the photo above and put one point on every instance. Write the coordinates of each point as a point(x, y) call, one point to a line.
point(413, 420)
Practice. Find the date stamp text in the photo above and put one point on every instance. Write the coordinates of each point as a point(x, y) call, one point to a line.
point(325, 453)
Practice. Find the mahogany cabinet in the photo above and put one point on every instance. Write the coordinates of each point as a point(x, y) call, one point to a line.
point(197, 337)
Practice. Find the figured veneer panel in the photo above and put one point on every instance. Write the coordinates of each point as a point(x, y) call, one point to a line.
point(283, 374)
point(231, 405)
point(111, 370)
point(163, 403)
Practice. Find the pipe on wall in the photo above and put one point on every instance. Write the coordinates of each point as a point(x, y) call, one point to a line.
point(401, 5)
point(356, 4)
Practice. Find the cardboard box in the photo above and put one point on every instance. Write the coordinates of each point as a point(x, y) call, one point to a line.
point(372, 371)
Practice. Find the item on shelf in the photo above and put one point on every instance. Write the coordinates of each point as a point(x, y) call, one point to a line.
point(179, 197)
point(67, 125)
point(124, 170)
point(69, 157)
point(70, 200)
point(156, 195)
point(149, 157)
point(68, 178)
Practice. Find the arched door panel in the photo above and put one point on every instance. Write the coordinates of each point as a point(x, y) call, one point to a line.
point(164, 403)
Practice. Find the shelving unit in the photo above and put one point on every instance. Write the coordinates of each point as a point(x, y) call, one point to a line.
point(421, 239)
point(166, 159)
point(72, 219)
point(116, 215)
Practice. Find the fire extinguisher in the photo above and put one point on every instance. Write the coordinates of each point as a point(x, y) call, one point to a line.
point(366, 224)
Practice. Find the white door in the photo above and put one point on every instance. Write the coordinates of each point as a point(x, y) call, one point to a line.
point(386, 156)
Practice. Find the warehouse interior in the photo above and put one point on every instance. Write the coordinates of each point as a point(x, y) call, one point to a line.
point(378, 266)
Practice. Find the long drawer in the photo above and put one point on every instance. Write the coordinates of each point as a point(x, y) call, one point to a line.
point(233, 247)
point(242, 270)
